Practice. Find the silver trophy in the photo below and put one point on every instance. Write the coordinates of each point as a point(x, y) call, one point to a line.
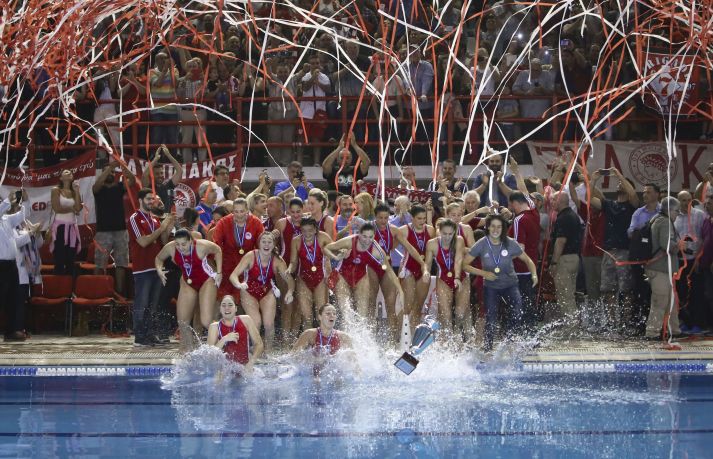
point(423, 337)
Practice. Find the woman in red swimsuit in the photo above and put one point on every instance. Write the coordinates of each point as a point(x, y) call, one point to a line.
point(325, 341)
point(199, 282)
point(287, 229)
point(311, 270)
point(259, 293)
point(389, 237)
point(418, 234)
point(448, 250)
point(236, 335)
point(356, 253)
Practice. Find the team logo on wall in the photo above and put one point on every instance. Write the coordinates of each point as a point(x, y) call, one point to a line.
point(673, 88)
point(183, 198)
point(649, 164)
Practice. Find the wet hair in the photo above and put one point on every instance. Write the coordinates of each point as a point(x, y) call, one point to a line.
point(367, 227)
point(190, 216)
point(296, 202)
point(308, 221)
point(323, 307)
point(381, 208)
point(447, 222)
point(143, 192)
point(183, 233)
point(415, 210)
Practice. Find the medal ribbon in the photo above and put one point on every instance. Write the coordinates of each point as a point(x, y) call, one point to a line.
point(421, 242)
point(187, 267)
point(239, 239)
point(313, 255)
point(448, 261)
point(388, 238)
point(329, 340)
point(382, 262)
point(496, 260)
point(263, 274)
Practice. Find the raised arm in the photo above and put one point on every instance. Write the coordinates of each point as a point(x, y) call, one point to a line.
point(328, 162)
point(365, 161)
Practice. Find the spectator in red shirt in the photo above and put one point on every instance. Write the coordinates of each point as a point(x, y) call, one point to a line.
point(146, 238)
point(525, 229)
point(236, 235)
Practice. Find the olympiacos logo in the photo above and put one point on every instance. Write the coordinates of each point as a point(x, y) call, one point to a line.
point(183, 198)
point(649, 164)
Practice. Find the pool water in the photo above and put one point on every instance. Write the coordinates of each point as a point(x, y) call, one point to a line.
point(490, 412)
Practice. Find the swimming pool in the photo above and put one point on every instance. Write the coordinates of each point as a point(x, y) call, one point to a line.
point(630, 411)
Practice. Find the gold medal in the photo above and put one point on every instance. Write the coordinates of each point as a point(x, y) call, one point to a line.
point(383, 267)
point(497, 270)
point(189, 281)
point(313, 269)
point(241, 252)
point(450, 274)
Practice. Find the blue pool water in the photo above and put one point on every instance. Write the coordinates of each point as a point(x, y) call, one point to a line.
point(482, 413)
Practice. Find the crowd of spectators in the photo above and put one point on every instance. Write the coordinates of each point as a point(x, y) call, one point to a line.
point(297, 88)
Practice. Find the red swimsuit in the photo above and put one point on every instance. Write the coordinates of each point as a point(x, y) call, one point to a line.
point(353, 268)
point(237, 352)
point(324, 346)
point(195, 271)
point(419, 243)
point(445, 262)
point(259, 279)
point(311, 257)
point(288, 234)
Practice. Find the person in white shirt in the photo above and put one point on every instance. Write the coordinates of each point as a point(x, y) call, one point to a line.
point(313, 83)
point(690, 286)
point(8, 261)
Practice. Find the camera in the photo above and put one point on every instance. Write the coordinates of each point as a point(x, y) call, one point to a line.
point(300, 175)
point(18, 196)
point(604, 172)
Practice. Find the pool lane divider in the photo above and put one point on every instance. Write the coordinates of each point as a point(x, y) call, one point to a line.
point(559, 367)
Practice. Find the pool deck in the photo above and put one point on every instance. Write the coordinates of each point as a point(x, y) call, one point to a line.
point(101, 350)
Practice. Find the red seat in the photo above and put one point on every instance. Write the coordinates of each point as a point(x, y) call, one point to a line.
point(54, 291)
point(92, 291)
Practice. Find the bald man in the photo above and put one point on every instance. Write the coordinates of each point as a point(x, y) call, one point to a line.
point(567, 237)
point(689, 226)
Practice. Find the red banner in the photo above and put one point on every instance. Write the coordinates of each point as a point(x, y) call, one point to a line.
point(675, 87)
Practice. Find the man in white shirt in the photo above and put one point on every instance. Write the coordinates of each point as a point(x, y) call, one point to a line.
point(8, 266)
point(314, 83)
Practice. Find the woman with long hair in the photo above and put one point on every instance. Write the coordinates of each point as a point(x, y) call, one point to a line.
point(199, 281)
point(66, 203)
point(258, 291)
point(308, 265)
point(452, 289)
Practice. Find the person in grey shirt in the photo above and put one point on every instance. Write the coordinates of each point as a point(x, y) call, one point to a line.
point(660, 269)
point(496, 252)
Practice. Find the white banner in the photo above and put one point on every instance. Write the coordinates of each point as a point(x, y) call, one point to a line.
point(640, 162)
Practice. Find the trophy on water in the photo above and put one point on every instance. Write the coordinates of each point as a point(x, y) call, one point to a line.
point(423, 337)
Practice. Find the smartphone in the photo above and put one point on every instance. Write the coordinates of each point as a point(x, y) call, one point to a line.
point(565, 43)
point(18, 196)
point(604, 172)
